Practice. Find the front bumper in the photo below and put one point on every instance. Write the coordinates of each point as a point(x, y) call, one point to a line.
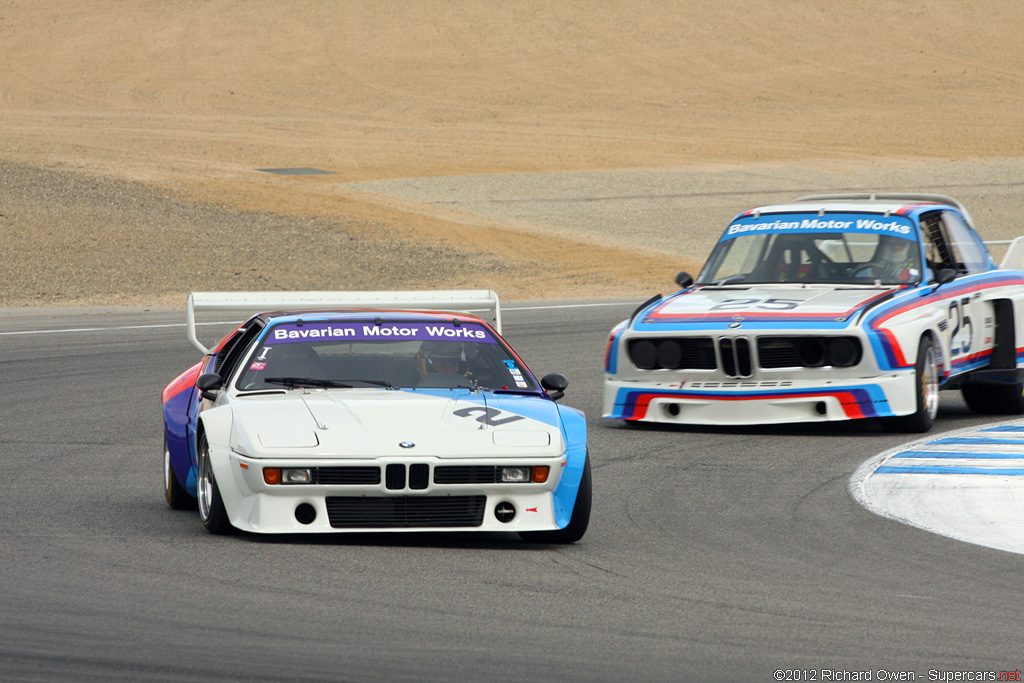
point(388, 506)
point(750, 402)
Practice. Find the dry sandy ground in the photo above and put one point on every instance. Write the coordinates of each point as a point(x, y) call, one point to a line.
point(132, 131)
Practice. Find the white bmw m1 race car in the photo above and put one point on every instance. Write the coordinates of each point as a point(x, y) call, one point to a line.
point(373, 411)
point(830, 307)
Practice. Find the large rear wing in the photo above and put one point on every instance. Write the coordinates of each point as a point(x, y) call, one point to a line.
point(891, 196)
point(482, 303)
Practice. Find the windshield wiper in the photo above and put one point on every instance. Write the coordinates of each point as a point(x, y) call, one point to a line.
point(374, 382)
point(296, 382)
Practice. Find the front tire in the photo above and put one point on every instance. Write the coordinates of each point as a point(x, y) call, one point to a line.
point(579, 521)
point(211, 507)
point(174, 493)
point(926, 383)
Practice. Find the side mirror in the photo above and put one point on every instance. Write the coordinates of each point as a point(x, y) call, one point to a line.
point(683, 279)
point(209, 383)
point(944, 276)
point(554, 383)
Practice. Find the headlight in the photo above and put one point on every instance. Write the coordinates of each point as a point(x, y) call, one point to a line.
point(277, 475)
point(515, 474)
point(523, 475)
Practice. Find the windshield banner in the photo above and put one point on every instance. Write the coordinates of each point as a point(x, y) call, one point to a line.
point(284, 333)
point(896, 226)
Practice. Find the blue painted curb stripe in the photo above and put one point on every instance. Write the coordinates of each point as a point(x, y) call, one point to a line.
point(939, 469)
point(1004, 428)
point(979, 441)
point(960, 454)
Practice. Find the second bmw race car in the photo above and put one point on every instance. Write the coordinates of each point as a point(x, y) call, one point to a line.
point(831, 307)
point(375, 411)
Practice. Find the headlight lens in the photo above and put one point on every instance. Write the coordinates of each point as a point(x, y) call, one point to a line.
point(515, 474)
point(277, 475)
point(537, 474)
point(296, 476)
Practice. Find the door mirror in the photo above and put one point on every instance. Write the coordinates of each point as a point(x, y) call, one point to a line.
point(209, 383)
point(684, 280)
point(555, 383)
point(945, 275)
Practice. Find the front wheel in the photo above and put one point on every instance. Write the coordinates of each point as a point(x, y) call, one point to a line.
point(926, 384)
point(579, 521)
point(211, 508)
point(174, 493)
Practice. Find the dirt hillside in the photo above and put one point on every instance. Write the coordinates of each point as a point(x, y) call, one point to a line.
point(132, 132)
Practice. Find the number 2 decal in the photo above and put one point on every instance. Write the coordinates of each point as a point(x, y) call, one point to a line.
point(770, 304)
point(962, 322)
point(488, 417)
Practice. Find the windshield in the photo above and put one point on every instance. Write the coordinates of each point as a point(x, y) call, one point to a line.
point(838, 248)
point(362, 354)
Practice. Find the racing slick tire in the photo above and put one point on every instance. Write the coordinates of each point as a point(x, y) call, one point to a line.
point(174, 493)
point(211, 507)
point(926, 383)
point(994, 399)
point(579, 521)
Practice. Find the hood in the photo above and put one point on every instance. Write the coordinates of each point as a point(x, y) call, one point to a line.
point(772, 304)
point(370, 423)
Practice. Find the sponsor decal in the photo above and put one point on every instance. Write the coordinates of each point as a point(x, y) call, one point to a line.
point(891, 225)
point(258, 365)
point(319, 331)
point(488, 416)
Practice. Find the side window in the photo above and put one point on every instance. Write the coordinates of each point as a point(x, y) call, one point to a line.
point(937, 252)
point(969, 252)
point(233, 352)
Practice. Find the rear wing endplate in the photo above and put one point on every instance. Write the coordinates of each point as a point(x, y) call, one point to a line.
point(482, 303)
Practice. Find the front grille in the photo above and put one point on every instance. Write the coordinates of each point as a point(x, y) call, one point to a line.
point(778, 352)
point(674, 353)
point(466, 474)
point(394, 477)
point(405, 512)
point(808, 352)
point(336, 476)
point(735, 353)
point(419, 476)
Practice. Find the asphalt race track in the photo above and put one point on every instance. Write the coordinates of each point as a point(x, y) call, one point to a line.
point(712, 555)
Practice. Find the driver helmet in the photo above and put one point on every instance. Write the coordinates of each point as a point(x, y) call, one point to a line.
point(895, 250)
point(439, 356)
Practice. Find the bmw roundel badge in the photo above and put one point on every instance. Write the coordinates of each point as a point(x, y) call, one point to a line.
point(407, 444)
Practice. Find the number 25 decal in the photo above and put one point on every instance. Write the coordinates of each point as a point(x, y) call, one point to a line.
point(770, 304)
point(963, 322)
point(488, 415)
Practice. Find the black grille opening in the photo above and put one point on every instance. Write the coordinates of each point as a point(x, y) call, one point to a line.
point(394, 477)
point(743, 360)
point(728, 357)
point(391, 512)
point(808, 352)
point(778, 352)
point(337, 476)
point(466, 474)
point(676, 353)
point(419, 476)
point(736, 359)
